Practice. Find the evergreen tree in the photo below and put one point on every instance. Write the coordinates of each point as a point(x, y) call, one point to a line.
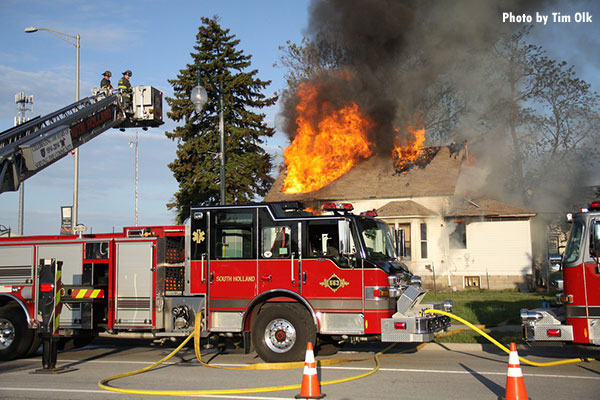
point(216, 61)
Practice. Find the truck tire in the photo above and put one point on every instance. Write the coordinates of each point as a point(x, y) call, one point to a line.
point(282, 331)
point(36, 342)
point(15, 337)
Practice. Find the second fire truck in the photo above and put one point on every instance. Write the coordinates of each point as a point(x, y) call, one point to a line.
point(270, 273)
point(577, 319)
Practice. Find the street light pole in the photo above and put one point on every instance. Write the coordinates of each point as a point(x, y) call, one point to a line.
point(222, 140)
point(199, 97)
point(65, 37)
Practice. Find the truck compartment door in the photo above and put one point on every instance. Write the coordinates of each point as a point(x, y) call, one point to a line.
point(134, 284)
point(71, 255)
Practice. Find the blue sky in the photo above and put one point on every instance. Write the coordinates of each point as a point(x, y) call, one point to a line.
point(154, 38)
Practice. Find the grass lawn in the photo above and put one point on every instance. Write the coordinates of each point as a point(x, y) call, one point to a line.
point(490, 308)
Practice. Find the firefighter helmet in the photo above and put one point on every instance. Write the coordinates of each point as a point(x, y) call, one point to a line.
point(107, 73)
point(128, 72)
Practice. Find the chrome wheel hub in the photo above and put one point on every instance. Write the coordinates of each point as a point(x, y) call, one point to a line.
point(280, 335)
point(7, 333)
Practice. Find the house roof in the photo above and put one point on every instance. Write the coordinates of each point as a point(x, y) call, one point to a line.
point(377, 178)
point(483, 207)
point(404, 208)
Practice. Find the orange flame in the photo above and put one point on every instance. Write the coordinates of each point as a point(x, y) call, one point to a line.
point(311, 210)
point(329, 142)
point(407, 148)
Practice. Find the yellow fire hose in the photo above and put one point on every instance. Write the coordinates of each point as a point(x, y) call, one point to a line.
point(260, 366)
point(291, 365)
point(502, 347)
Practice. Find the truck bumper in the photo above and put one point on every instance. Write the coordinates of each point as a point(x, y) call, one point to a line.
point(544, 325)
point(412, 329)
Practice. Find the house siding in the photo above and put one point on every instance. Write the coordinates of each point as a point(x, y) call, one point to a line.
point(504, 266)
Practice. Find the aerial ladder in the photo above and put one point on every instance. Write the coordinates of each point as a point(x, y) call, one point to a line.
point(30, 147)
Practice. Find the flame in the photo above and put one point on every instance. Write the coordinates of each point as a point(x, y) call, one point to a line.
point(407, 148)
point(328, 143)
point(311, 210)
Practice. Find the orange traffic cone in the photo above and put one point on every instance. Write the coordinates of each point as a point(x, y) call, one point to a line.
point(515, 386)
point(310, 381)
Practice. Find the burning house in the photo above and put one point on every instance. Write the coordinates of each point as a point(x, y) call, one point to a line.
point(340, 152)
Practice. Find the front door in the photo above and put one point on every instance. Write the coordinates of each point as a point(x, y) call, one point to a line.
point(279, 258)
point(232, 267)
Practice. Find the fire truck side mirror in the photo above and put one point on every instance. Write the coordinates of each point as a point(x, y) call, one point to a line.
point(595, 242)
point(344, 235)
point(555, 262)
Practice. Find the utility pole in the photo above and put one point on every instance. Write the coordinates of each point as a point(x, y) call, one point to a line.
point(24, 103)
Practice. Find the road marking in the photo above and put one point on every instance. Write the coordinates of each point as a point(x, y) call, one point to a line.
point(441, 371)
point(415, 370)
point(103, 392)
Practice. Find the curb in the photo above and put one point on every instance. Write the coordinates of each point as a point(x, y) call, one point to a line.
point(543, 350)
point(454, 347)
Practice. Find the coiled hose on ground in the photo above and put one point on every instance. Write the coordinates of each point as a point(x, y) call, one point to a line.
point(103, 384)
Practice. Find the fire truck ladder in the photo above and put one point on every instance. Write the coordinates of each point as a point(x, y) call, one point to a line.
point(30, 147)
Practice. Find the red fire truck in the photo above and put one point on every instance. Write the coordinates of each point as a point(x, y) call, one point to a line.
point(579, 320)
point(270, 273)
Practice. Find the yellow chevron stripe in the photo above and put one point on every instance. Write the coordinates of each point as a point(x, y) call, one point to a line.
point(81, 293)
point(56, 286)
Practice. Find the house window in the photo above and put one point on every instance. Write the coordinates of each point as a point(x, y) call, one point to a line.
point(458, 237)
point(472, 282)
point(423, 241)
point(402, 237)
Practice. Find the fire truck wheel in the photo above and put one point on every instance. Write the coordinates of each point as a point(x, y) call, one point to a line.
point(282, 331)
point(15, 337)
point(35, 345)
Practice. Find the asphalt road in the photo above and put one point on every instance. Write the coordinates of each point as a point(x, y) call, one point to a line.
point(432, 372)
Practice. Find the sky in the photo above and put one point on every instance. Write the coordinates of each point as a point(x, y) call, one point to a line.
point(154, 38)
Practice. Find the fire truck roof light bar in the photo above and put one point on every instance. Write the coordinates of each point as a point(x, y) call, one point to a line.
point(594, 206)
point(338, 206)
point(369, 213)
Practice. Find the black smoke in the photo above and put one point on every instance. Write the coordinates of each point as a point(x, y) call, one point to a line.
point(396, 52)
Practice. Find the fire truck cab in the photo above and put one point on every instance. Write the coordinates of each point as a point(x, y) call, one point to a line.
point(577, 317)
point(271, 273)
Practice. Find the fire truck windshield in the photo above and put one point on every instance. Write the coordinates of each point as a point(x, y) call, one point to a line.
point(378, 239)
point(574, 245)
